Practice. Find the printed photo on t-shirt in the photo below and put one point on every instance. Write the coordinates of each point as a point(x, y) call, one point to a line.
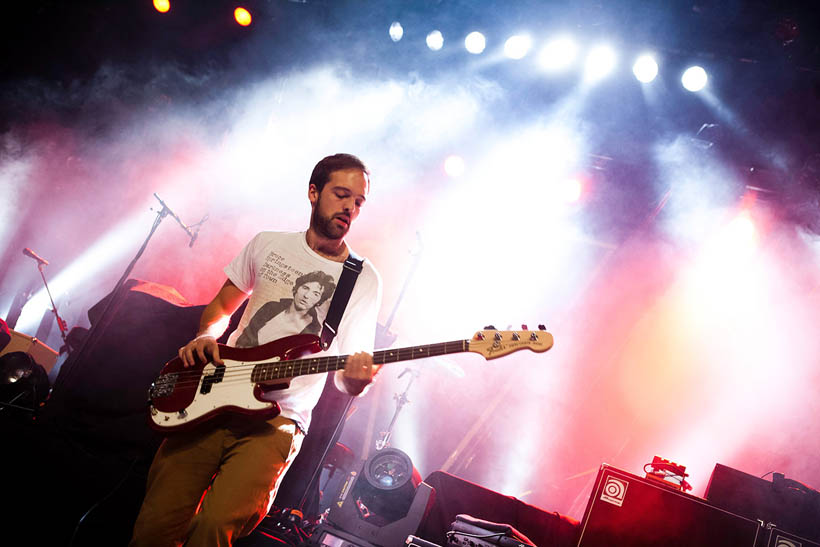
point(302, 313)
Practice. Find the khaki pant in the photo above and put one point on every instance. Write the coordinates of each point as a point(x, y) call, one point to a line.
point(212, 485)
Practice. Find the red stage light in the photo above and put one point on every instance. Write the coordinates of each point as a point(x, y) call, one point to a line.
point(162, 6)
point(242, 16)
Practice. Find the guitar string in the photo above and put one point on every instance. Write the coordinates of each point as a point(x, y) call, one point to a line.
point(304, 365)
point(238, 371)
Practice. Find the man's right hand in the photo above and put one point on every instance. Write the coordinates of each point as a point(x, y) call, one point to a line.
point(204, 347)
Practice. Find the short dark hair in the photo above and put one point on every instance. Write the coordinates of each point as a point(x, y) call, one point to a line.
point(320, 277)
point(330, 164)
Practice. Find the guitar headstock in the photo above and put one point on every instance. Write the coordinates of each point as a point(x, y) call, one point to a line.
point(492, 343)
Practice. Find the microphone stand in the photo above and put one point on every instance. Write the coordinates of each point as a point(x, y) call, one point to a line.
point(60, 322)
point(401, 400)
point(102, 322)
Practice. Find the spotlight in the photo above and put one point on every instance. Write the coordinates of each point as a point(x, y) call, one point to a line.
point(435, 40)
point(454, 166)
point(516, 47)
point(600, 62)
point(741, 232)
point(162, 6)
point(645, 68)
point(558, 54)
point(396, 31)
point(694, 78)
point(23, 383)
point(571, 190)
point(475, 42)
point(242, 16)
point(384, 503)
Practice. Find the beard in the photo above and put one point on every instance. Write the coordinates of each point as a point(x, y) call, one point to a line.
point(325, 226)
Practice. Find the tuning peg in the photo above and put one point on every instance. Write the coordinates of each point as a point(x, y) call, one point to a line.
point(542, 327)
point(497, 336)
point(479, 336)
point(523, 327)
point(516, 337)
point(490, 327)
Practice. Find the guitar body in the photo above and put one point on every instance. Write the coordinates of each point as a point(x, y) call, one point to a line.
point(181, 398)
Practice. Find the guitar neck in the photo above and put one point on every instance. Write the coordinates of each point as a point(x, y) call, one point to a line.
point(266, 372)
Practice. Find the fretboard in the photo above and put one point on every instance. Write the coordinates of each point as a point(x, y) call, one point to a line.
point(276, 370)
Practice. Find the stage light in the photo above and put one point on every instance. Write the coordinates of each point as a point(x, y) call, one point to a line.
point(558, 54)
point(454, 166)
point(694, 78)
point(23, 383)
point(571, 190)
point(645, 68)
point(435, 40)
point(475, 43)
point(741, 233)
point(516, 47)
point(162, 6)
point(242, 16)
point(396, 31)
point(600, 61)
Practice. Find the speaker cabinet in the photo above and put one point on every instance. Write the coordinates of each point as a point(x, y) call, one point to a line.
point(781, 538)
point(785, 503)
point(630, 511)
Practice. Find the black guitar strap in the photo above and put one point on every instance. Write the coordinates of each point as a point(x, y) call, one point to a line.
point(351, 269)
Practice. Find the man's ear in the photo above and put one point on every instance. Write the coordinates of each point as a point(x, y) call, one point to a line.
point(313, 194)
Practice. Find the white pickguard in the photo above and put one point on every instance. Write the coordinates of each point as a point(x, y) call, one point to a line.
point(235, 389)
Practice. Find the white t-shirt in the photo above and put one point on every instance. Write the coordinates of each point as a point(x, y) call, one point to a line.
point(268, 268)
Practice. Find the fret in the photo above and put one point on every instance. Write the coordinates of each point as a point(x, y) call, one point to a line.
point(289, 369)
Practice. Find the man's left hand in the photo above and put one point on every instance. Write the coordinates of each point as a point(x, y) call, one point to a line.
point(359, 372)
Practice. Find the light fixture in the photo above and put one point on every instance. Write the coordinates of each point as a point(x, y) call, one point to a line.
point(645, 68)
point(389, 486)
point(396, 31)
point(435, 40)
point(517, 47)
point(600, 62)
point(694, 78)
point(558, 54)
point(23, 383)
point(475, 42)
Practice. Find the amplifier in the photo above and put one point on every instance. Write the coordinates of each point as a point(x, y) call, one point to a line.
point(630, 511)
point(781, 538)
point(785, 503)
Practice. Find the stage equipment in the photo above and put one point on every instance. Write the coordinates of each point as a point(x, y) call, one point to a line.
point(413, 541)
point(775, 537)
point(625, 509)
point(42, 354)
point(786, 503)
point(381, 505)
point(41, 263)
point(468, 531)
point(23, 383)
point(104, 318)
point(668, 473)
point(401, 399)
point(455, 496)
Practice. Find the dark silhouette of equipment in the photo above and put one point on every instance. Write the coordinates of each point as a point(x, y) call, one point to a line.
point(625, 509)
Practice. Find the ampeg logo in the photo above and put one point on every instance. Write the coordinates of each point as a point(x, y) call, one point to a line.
point(614, 491)
point(786, 542)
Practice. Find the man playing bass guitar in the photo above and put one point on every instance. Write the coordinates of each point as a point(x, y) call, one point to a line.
point(215, 483)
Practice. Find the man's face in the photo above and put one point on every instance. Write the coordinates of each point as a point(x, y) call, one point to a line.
point(339, 203)
point(307, 295)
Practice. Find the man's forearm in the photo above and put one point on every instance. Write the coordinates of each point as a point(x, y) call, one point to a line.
point(214, 320)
